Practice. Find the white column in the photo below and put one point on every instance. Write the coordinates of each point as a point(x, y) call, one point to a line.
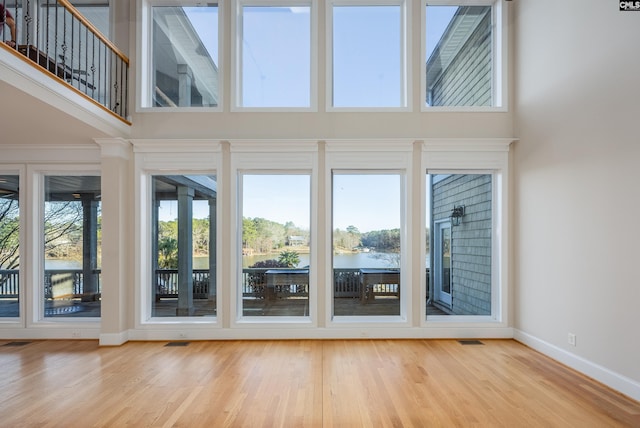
point(117, 253)
point(185, 252)
point(185, 77)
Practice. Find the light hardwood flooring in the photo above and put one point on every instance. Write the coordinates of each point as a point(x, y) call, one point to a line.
point(299, 383)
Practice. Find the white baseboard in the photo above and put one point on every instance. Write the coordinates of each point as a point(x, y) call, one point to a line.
point(620, 383)
point(114, 339)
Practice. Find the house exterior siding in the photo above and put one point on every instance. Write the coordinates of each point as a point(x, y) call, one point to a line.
point(470, 241)
point(466, 81)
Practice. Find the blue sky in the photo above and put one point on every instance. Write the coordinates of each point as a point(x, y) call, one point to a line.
point(276, 53)
point(366, 55)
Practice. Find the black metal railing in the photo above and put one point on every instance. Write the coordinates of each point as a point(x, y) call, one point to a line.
point(54, 35)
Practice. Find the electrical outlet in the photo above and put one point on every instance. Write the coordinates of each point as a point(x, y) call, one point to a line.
point(572, 339)
point(182, 335)
point(75, 334)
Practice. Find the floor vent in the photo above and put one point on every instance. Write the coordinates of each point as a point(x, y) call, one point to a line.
point(177, 344)
point(470, 342)
point(16, 343)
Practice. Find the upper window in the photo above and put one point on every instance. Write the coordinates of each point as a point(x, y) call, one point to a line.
point(184, 49)
point(460, 56)
point(273, 55)
point(368, 55)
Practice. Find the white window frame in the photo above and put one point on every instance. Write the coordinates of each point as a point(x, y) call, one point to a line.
point(474, 156)
point(371, 157)
point(35, 293)
point(405, 49)
point(499, 35)
point(19, 170)
point(236, 54)
point(271, 157)
point(144, 42)
point(170, 157)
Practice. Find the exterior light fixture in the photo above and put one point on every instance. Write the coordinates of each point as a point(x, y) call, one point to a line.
point(456, 215)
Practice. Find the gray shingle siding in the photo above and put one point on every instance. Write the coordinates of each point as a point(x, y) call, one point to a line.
point(467, 80)
point(470, 242)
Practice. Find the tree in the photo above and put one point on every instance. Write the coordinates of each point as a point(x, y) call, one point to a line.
point(63, 228)
point(9, 233)
point(348, 239)
point(167, 253)
point(289, 258)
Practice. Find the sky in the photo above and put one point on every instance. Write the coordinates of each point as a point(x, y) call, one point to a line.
point(366, 55)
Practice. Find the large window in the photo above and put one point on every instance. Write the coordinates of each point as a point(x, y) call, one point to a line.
point(366, 243)
point(72, 236)
point(9, 246)
point(183, 281)
point(184, 49)
point(368, 55)
point(459, 251)
point(276, 244)
point(460, 52)
point(273, 55)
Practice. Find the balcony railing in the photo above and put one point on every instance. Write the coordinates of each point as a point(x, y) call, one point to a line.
point(70, 283)
point(56, 37)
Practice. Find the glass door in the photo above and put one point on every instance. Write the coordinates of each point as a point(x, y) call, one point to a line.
point(442, 263)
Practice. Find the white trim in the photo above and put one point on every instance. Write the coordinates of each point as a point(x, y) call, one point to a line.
point(279, 159)
point(34, 294)
point(114, 147)
point(479, 156)
point(146, 166)
point(277, 331)
point(20, 171)
point(113, 339)
point(362, 157)
point(612, 379)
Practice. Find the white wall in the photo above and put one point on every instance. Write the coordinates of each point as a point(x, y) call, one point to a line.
point(576, 185)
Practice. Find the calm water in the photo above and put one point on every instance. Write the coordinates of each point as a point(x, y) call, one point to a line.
point(345, 261)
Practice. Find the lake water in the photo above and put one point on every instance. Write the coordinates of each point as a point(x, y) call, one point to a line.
point(343, 261)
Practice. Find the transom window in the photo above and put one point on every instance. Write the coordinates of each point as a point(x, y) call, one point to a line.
point(368, 55)
point(461, 55)
point(184, 51)
point(273, 55)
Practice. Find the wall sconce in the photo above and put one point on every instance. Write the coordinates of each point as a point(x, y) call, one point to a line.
point(456, 215)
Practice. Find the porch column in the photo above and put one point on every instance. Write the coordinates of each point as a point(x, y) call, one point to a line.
point(185, 252)
point(213, 203)
point(185, 77)
point(89, 247)
point(155, 203)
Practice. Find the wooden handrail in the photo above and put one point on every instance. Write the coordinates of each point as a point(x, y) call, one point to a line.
point(67, 5)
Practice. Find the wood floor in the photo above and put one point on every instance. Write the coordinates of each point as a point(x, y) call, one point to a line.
point(308, 383)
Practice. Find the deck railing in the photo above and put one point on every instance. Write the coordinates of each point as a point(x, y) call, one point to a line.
point(54, 35)
point(70, 283)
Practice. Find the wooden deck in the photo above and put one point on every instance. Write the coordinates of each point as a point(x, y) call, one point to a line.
point(299, 383)
point(203, 307)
